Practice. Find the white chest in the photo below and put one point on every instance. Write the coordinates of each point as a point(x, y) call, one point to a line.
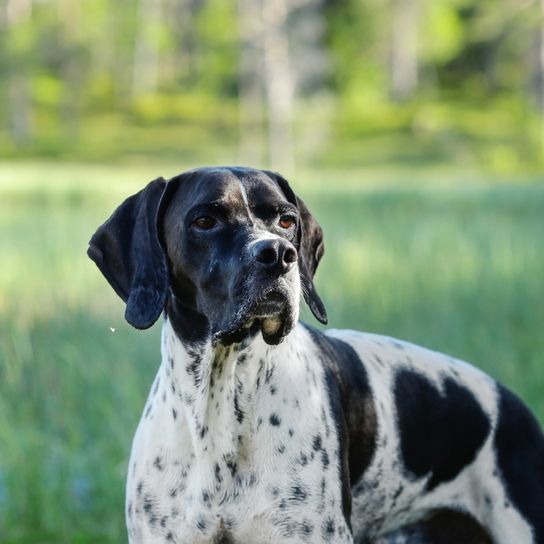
point(246, 451)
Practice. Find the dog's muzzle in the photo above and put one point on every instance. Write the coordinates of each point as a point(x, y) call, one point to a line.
point(269, 297)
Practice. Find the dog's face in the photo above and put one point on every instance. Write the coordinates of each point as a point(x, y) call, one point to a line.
point(232, 247)
point(230, 239)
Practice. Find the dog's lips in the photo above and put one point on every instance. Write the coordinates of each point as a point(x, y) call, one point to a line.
point(268, 314)
point(272, 305)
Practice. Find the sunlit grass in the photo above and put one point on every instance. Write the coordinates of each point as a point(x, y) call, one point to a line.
point(456, 267)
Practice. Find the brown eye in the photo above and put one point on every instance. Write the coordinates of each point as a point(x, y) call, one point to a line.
point(205, 222)
point(286, 221)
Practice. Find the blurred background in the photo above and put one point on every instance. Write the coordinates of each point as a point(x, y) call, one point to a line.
point(414, 129)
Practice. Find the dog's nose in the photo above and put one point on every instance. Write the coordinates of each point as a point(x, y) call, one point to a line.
point(276, 256)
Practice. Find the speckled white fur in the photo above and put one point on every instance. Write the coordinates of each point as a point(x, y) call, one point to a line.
point(199, 470)
point(182, 486)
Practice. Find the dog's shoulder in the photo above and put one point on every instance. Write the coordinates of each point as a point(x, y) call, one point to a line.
point(392, 363)
point(416, 395)
point(519, 443)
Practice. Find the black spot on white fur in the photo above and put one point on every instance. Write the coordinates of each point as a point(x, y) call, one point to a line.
point(353, 408)
point(275, 420)
point(519, 444)
point(440, 432)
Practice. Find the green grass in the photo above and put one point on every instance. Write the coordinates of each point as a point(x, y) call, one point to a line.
point(456, 267)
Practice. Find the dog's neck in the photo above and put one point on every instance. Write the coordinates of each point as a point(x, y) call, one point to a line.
point(215, 390)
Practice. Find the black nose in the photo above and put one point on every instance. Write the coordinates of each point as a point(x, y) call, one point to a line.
point(276, 256)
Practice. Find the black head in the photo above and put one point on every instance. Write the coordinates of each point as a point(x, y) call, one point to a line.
point(226, 251)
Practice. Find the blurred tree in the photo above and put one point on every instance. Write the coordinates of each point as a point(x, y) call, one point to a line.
point(145, 67)
point(282, 56)
point(15, 20)
point(538, 64)
point(218, 50)
point(266, 71)
point(404, 49)
point(72, 65)
point(279, 84)
point(180, 18)
point(251, 77)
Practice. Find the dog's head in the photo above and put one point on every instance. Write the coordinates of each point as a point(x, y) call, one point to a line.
point(226, 249)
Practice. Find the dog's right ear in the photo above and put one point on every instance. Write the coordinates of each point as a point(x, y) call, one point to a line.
point(127, 251)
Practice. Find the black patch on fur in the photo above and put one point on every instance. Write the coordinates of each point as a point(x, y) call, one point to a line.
point(325, 459)
point(353, 409)
point(439, 433)
point(148, 505)
point(275, 420)
point(328, 529)
point(149, 509)
point(297, 494)
point(305, 528)
point(158, 464)
point(223, 538)
point(191, 327)
point(217, 472)
point(269, 372)
point(519, 444)
point(442, 527)
point(231, 465)
point(238, 412)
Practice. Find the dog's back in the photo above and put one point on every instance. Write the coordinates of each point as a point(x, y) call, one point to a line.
point(448, 436)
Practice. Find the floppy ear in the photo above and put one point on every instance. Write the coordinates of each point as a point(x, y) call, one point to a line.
point(127, 251)
point(310, 249)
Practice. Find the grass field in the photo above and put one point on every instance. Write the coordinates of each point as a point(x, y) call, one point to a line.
point(455, 266)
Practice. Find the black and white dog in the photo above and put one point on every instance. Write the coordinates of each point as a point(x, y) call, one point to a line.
point(259, 429)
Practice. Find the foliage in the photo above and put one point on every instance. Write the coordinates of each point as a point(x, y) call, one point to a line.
point(101, 79)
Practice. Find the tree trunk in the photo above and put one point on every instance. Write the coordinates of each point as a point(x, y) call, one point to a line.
point(251, 77)
point(145, 67)
point(71, 67)
point(279, 85)
point(539, 69)
point(16, 14)
point(404, 55)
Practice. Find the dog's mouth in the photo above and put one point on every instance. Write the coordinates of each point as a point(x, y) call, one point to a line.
point(270, 314)
point(270, 305)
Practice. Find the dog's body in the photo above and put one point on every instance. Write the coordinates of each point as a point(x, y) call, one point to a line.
point(261, 430)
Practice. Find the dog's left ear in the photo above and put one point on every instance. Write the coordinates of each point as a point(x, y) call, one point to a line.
point(127, 251)
point(310, 249)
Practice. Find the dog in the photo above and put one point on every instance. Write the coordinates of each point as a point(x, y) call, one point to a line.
point(260, 429)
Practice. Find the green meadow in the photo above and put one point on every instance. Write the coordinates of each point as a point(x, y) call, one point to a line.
point(453, 262)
